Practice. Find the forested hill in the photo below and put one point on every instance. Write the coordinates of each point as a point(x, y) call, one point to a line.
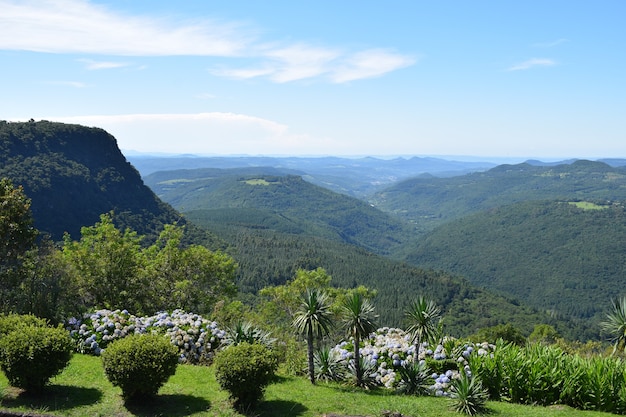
point(567, 257)
point(429, 202)
point(73, 174)
point(265, 198)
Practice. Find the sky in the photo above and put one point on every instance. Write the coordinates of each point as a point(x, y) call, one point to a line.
point(503, 78)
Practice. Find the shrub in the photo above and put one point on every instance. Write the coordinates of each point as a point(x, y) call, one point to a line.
point(140, 364)
point(11, 322)
point(244, 370)
point(31, 355)
point(414, 378)
point(328, 365)
point(468, 396)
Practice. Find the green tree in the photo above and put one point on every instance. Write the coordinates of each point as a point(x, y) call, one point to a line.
point(423, 317)
point(108, 263)
point(313, 320)
point(17, 237)
point(615, 324)
point(192, 278)
point(359, 319)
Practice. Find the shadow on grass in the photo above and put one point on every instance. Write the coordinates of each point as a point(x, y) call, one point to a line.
point(174, 405)
point(53, 397)
point(279, 408)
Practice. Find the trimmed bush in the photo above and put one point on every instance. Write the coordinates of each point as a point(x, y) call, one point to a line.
point(11, 322)
point(140, 364)
point(31, 355)
point(244, 370)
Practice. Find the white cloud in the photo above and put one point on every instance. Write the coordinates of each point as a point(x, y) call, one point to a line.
point(78, 26)
point(202, 133)
point(550, 44)
point(81, 27)
point(75, 84)
point(368, 64)
point(301, 61)
point(98, 65)
point(532, 63)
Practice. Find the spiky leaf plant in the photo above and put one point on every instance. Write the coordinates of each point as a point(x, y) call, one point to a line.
point(328, 365)
point(414, 377)
point(468, 396)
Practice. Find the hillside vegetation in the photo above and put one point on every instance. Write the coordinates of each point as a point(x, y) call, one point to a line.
point(566, 257)
point(266, 257)
point(73, 174)
point(430, 202)
point(285, 203)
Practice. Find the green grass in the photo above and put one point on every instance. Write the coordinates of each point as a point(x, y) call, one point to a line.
point(257, 181)
point(587, 205)
point(82, 390)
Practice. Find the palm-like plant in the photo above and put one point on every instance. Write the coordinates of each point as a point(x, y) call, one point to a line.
point(423, 317)
point(468, 395)
point(245, 331)
point(359, 318)
point(313, 319)
point(615, 324)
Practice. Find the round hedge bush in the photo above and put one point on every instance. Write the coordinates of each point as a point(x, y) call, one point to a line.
point(31, 355)
point(11, 322)
point(244, 370)
point(140, 364)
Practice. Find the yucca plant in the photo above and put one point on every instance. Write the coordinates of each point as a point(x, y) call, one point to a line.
point(246, 332)
point(365, 375)
point(615, 324)
point(414, 378)
point(328, 365)
point(468, 396)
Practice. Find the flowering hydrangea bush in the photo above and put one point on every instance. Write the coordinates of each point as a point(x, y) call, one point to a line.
point(196, 337)
point(389, 349)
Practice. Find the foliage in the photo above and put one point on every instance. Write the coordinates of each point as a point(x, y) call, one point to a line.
point(414, 378)
point(615, 324)
point(359, 320)
point(246, 332)
point(328, 365)
point(32, 354)
point(12, 322)
point(468, 396)
point(285, 203)
point(313, 320)
point(17, 237)
point(506, 332)
point(550, 255)
point(244, 371)
point(140, 364)
point(113, 270)
point(423, 317)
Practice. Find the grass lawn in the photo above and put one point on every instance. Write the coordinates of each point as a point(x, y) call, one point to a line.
point(82, 390)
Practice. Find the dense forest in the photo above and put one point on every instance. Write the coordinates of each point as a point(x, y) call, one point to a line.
point(567, 257)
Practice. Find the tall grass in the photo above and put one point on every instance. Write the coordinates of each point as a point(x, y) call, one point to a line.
point(546, 375)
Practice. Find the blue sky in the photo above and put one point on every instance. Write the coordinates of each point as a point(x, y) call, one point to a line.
point(513, 79)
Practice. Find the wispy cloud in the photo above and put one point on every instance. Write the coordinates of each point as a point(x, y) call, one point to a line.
point(532, 63)
point(550, 44)
point(74, 84)
point(99, 65)
point(78, 26)
point(204, 133)
point(369, 64)
point(303, 62)
point(82, 27)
